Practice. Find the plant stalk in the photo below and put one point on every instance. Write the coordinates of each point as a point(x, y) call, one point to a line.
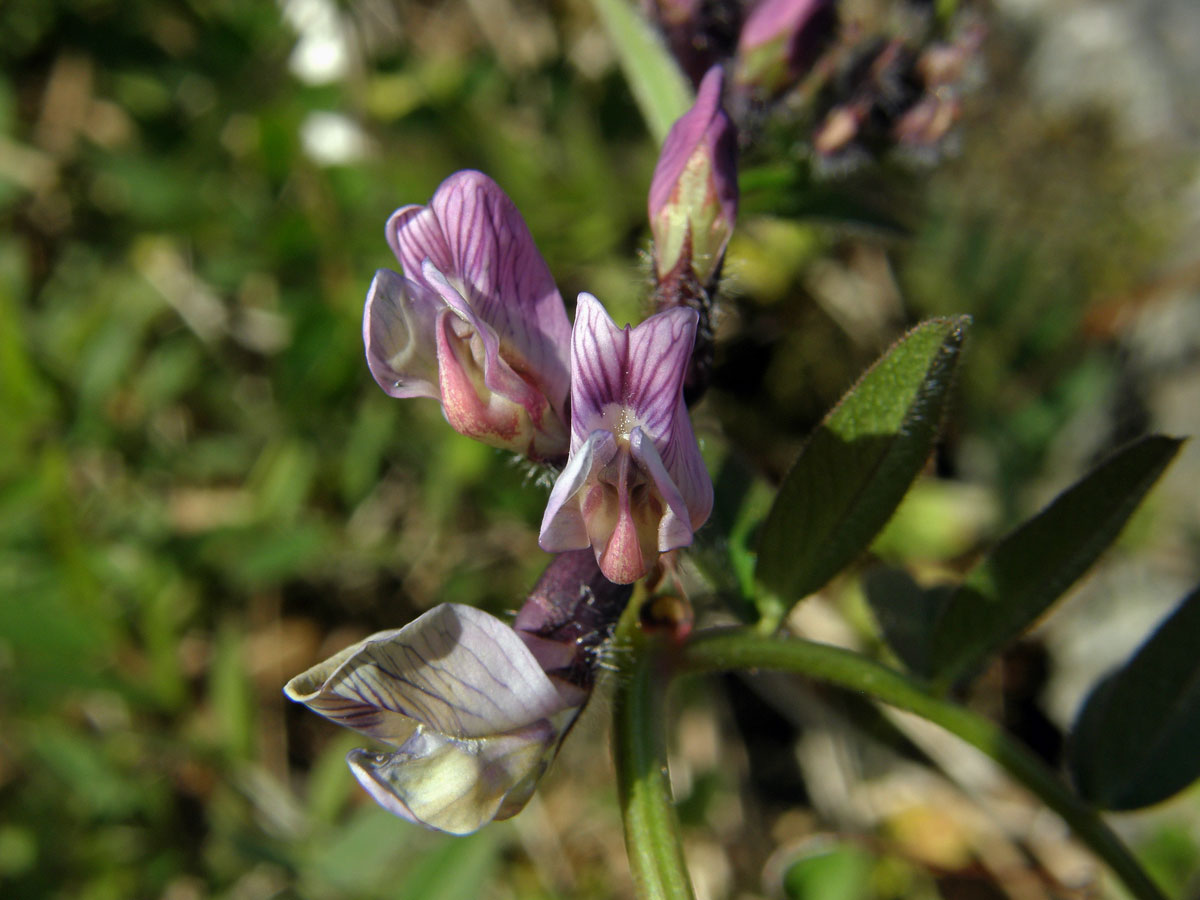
point(717, 651)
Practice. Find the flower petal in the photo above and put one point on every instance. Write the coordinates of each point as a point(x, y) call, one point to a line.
point(459, 786)
point(455, 669)
point(622, 543)
point(473, 233)
point(660, 349)
point(682, 460)
point(498, 375)
point(398, 335)
point(563, 525)
point(415, 235)
point(599, 358)
point(675, 526)
point(687, 132)
point(327, 691)
point(482, 396)
point(693, 194)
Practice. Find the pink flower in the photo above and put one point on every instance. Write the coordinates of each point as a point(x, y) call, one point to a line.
point(635, 484)
point(477, 322)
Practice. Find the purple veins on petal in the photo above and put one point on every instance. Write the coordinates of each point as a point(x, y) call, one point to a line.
point(473, 233)
point(481, 326)
point(472, 716)
point(634, 484)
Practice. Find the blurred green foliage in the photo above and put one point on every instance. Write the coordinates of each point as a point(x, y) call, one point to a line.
point(202, 491)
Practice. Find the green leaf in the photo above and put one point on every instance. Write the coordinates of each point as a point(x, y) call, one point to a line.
point(661, 91)
point(857, 466)
point(1034, 565)
point(906, 613)
point(1134, 743)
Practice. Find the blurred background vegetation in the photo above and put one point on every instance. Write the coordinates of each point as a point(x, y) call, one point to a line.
point(202, 492)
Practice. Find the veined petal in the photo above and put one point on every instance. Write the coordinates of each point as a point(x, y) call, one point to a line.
point(682, 460)
point(563, 525)
point(415, 235)
point(623, 532)
point(334, 690)
point(398, 324)
point(498, 375)
point(660, 349)
point(455, 669)
point(482, 396)
point(473, 233)
point(686, 134)
point(459, 786)
point(675, 525)
point(693, 195)
point(599, 358)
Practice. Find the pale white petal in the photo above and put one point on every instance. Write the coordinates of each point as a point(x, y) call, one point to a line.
point(458, 786)
point(455, 669)
point(675, 526)
point(398, 335)
point(563, 525)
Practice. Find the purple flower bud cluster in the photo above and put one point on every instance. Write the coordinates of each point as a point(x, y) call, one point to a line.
point(868, 92)
point(769, 45)
point(891, 94)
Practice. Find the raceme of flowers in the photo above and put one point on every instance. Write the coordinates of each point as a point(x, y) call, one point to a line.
point(474, 711)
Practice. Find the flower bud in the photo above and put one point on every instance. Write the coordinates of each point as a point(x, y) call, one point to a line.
point(693, 194)
point(781, 41)
point(699, 33)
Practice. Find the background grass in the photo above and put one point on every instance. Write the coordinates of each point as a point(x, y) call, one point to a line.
point(202, 492)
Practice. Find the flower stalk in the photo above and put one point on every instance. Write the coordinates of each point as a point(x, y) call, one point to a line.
point(640, 754)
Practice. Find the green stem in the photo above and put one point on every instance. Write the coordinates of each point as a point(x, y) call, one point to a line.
point(639, 750)
point(742, 649)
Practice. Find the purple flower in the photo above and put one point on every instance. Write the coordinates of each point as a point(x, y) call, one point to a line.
point(472, 714)
point(781, 41)
point(635, 484)
point(477, 323)
point(693, 194)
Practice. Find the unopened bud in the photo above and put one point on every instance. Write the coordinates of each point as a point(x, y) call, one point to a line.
point(781, 41)
point(699, 33)
point(694, 195)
